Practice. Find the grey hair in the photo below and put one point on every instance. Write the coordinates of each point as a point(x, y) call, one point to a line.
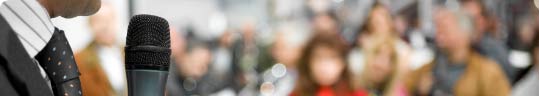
point(465, 22)
point(464, 19)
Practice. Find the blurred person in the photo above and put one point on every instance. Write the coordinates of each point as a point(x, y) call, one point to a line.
point(177, 49)
point(197, 69)
point(101, 61)
point(379, 23)
point(486, 41)
point(225, 68)
point(379, 27)
point(247, 48)
point(522, 41)
point(189, 71)
point(457, 69)
point(525, 31)
point(325, 23)
point(247, 55)
point(28, 43)
point(527, 82)
point(286, 51)
point(523, 26)
point(380, 73)
point(322, 68)
point(223, 53)
point(253, 58)
point(401, 26)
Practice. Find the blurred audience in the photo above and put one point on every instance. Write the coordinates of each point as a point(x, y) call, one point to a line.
point(468, 48)
point(101, 61)
point(457, 69)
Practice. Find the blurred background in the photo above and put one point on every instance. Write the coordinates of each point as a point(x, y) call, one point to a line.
point(300, 47)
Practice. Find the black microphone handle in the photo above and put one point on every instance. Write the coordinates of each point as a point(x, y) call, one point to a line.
point(143, 82)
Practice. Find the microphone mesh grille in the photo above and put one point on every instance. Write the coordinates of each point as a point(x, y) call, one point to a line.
point(143, 31)
point(148, 30)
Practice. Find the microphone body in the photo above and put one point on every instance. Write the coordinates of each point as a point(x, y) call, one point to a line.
point(147, 55)
point(146, 82)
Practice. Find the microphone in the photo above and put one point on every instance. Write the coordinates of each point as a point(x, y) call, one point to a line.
point(147, 55)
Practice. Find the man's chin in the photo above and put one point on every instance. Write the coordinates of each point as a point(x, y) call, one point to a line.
point(91, 11)
point(92, 8)
point(68, 16)
point(86, 13)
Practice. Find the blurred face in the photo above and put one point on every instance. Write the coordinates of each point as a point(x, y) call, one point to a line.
point(286, 53)
point(248, 30)
point(226, 39)
point(380, 66)
point(326, 66)
point(102, 25)
point(449, 36)
point(381, 22)
point(526, 33)
point(324, 23)
point(400, 25)
point(197, 62)
point(71, 8)
point(474, 9)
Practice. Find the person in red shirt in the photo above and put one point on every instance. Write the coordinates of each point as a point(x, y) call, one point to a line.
point(323, 70)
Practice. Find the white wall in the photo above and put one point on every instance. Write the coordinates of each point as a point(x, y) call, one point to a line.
point(180, 13)
point(78, 32)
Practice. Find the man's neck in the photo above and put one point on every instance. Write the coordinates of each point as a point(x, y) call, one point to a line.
point(459, 56)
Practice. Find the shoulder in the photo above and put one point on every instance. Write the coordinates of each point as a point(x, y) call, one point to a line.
point(486, 65)
point(488, 70)
point(425, 68)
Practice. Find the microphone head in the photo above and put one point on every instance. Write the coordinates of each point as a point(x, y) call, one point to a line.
point(147, 43)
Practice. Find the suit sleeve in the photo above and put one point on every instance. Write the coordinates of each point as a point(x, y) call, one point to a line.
point(6, 87)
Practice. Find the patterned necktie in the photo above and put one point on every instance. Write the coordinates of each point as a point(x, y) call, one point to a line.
point(57, 60)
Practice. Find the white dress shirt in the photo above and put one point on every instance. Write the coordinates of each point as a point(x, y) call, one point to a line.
point(31, 23)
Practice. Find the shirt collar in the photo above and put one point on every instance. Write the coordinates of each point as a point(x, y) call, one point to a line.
point(30, 21)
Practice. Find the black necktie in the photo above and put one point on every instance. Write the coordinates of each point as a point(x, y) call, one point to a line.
point(57, 60)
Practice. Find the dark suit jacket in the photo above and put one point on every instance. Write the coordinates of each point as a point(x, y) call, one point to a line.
point(19, 74)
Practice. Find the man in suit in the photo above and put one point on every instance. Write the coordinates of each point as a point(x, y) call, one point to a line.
point(25, 31)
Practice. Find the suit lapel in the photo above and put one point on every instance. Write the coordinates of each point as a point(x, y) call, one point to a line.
point(23, 73)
